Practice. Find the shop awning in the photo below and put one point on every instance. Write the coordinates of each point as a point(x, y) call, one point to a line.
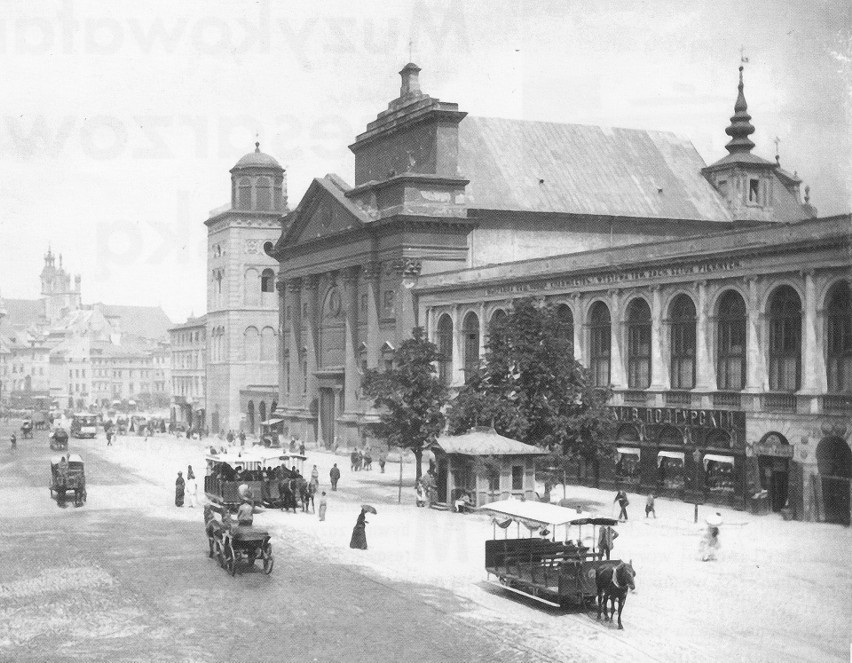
point(717, 458)
point(630, 451)
point(678, 455)
point(271, 422)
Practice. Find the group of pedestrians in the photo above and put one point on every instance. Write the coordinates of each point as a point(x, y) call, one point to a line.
point(186, 488)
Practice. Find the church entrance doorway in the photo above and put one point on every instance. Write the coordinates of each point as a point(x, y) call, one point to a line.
point(327, 416)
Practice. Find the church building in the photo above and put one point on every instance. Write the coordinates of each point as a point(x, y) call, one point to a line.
point(711, 298)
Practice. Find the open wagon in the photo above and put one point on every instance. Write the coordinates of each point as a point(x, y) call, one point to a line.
point(232, 544)
point(68, 475)
point(556, 572)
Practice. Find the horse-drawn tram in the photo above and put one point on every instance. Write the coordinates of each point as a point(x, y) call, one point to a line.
point(557, 573)
point(258, 468)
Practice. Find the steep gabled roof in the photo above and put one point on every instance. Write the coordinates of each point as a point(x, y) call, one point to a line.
point(576, 169)
point(146, 321)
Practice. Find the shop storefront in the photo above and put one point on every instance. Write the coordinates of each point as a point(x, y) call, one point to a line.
point(690, 454)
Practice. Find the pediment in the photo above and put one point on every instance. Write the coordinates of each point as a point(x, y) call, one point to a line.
point(323, 212)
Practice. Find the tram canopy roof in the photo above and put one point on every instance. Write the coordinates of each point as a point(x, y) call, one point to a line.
point(71, 458)
point(544, 513)
point(483, 441)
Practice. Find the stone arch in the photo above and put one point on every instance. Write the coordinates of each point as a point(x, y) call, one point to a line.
point(268, 344)
point(600, 343)
point(784, 316)
point(639, 330)
point(838, 337)
point(683, 340)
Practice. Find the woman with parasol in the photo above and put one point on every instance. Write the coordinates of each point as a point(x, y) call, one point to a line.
point(359, 532)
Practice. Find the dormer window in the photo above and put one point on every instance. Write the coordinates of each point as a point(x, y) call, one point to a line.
point(754, 191)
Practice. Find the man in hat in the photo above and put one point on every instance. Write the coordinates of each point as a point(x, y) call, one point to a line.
point(180, 487)
point(334, 475)
point(245, 513)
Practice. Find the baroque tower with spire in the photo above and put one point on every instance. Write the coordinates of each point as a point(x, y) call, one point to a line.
point(58, 295)
point(754, 189)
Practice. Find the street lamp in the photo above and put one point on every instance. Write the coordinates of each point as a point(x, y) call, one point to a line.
point(696, 457)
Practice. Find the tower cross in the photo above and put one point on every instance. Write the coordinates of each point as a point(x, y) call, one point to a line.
point(410, 48)
point(777, 142)
point(743, 58)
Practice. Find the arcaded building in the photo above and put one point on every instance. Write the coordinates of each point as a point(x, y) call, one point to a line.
point(711, 298)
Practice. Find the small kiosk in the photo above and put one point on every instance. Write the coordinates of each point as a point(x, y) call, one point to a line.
point(484, 466)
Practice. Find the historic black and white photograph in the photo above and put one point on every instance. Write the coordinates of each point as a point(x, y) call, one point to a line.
point(447, 332)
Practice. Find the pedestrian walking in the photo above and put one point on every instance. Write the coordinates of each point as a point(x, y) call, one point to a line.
point(606, 541)
point(109, 437)
point(191, 488)
point(242, 438)
point(621, 498)
point(334, 475)
point(230, 437)
point(323, 505)
point(649, 506)
point(359, 532)
point(315, 474)
point(301, 448)
point(353, 459)
point(180, 488)
point(368, 460)
point(710, 544)
point(383, 458)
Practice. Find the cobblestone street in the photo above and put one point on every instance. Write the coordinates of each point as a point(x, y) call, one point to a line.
point(104, 583)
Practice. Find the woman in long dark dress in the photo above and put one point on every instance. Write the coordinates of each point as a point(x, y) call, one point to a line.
point(180, 485)
point(359, 532)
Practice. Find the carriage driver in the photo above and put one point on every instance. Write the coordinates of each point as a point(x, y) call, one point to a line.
point(245, 513)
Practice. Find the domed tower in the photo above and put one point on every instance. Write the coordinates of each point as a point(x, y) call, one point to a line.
point(242, 303)
point(58, 296)
point(258, 183)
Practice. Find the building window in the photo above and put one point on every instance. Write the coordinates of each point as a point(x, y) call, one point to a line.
point(470, 330)
point(445, 349)
point(731, 343)
point(600, 344)
point(683, 343)
point(251, 344)
point(564, 315)
point(387, 303)
point(268, 344)
point(638, 344)
point(244, 193)
point(264, 193)
point(839, 341)
point(517, 477)
point(267, 281)
point(785, 340)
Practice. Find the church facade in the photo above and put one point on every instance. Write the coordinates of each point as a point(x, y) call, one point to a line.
point(711, 298)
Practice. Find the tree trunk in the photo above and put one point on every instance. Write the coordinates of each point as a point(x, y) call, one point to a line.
point(418, 456)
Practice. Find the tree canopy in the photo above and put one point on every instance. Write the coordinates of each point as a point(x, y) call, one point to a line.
point(529, 387)
point(409, 396)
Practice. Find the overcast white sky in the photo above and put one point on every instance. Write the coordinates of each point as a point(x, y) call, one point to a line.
point(122, 119)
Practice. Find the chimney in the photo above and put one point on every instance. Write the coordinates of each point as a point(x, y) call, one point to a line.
point(410, 80)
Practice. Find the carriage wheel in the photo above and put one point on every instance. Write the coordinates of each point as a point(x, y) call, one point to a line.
point(268, 559)
point(219, 552)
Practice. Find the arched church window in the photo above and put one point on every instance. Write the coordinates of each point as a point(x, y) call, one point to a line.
point(566, 317)
point(445, 348)
point(244, 193)
point(785, 339)
point(251, 287)
point(251, 344)
point(471, 343)
point(731, 342)
point(267, 280)
point(264, 193)
point(268, 343)
point(839, 340)
point(683, 343)
point(600, 331)
point(638, 344)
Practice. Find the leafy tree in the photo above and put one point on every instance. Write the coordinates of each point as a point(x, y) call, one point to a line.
point(530, 388)
point(410, 396)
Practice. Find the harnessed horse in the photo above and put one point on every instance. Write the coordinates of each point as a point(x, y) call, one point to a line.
point(612, 584)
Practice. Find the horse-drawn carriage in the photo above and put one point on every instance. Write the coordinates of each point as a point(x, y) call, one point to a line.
point(68, 474)
point(26, 428)
point(556, 573)
point(232, 544)
point(264, 471)
point(59, 439)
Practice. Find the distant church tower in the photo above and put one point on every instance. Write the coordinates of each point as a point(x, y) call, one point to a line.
point(242, 303)
point(58, 295)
